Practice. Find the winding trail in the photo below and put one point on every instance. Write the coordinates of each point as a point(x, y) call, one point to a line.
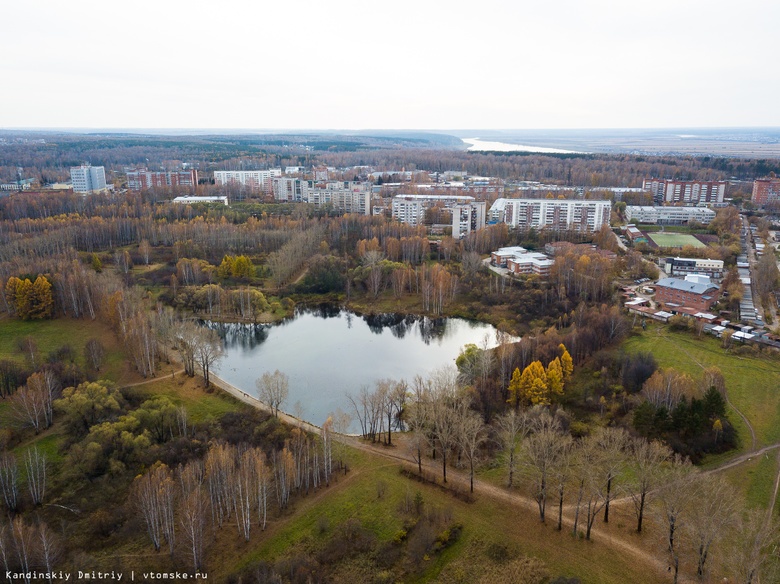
point(461, 480)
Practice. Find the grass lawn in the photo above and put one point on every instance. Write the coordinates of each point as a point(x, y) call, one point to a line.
point(674, 240)
point(752, 382)
point(311, 523)
point(756, 478)
point(189, 392)
point(50, 335)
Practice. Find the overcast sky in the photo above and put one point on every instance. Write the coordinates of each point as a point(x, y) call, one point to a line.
point(401, 64)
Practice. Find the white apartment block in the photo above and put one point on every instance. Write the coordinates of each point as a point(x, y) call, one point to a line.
point(467, 218)
point(410, 209)
point(557, 214)
point(288, 190)
point(691, 192)
point(669, 215)
point(261, 180)
point(345, 196)
point(87, 178)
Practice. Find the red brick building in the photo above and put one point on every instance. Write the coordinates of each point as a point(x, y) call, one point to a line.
point(766, 190)
point(674, 292)
point(142, 179)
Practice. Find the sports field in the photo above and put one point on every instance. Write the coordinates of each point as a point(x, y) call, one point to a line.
point(674, 240)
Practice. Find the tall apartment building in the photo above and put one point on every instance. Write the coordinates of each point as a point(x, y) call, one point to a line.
point(766, 190)
point(345, 196)
point(88, 179)
point(556, 214)
point(139, 179)
point(258, 180)
point(468, 217)
point(288, 190)
point(669, 215)
point(410, 209)
point(690, 192)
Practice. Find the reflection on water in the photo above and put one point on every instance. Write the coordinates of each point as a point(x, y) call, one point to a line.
point(328, 352)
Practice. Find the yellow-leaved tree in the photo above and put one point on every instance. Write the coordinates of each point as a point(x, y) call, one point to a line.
point(567, 364)
point(555, 377)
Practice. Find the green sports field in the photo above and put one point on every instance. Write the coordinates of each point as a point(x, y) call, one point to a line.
point(674, 240)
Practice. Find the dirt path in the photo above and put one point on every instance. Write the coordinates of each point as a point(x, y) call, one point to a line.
point(153, 379)
point(457, 478)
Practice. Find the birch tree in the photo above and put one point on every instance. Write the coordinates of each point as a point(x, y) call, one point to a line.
point(273, 389)
point(192, 518)
point(35, 464)
point(674, 501)
point(645, 460)
point(511, 428)
point(713, 513)
point(9, 481)
point(541, 450)
point(470, 437)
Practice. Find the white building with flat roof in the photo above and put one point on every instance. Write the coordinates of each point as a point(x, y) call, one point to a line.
point(260, 180)
point(88, 179)
point(556, 214)
point(669, 215)
point(410, 209)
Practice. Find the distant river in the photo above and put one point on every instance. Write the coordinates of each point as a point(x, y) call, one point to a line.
point(329, 352)
point(477, 145)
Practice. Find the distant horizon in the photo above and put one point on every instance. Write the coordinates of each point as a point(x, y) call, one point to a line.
point(283, 130)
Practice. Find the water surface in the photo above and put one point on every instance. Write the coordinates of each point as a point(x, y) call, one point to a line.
point(329, 352)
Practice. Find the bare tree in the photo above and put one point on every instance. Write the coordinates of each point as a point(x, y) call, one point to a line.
point(35, 463)
point(208, 352)
point(262, 476)
point(752, 553)
point(49, 549)
point(46, 387)
point(220, 464)
point(23, 536)
point(712, 514)
point(511, 428)
point(244, 492)
point(145, 250)
point(154, 495)
point(273, 389)
point(562, 470)
point(28, 406)
point(645, 460)
point(185, 335)
point(675, 499)
point(94, 353)
point(341, 422)
point(470, 437)
point(612, 443)
point(9, 481)
point(29, 348)
point(541, 450)
point(418, 419)
point(192, 518)
point(446, 410)
point(326, 438)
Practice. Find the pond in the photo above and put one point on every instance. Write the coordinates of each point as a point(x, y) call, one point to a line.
point(329, 352)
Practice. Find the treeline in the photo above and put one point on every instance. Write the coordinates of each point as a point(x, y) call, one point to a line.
point(593, 170)
point(700, 520)
point(688, 414)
